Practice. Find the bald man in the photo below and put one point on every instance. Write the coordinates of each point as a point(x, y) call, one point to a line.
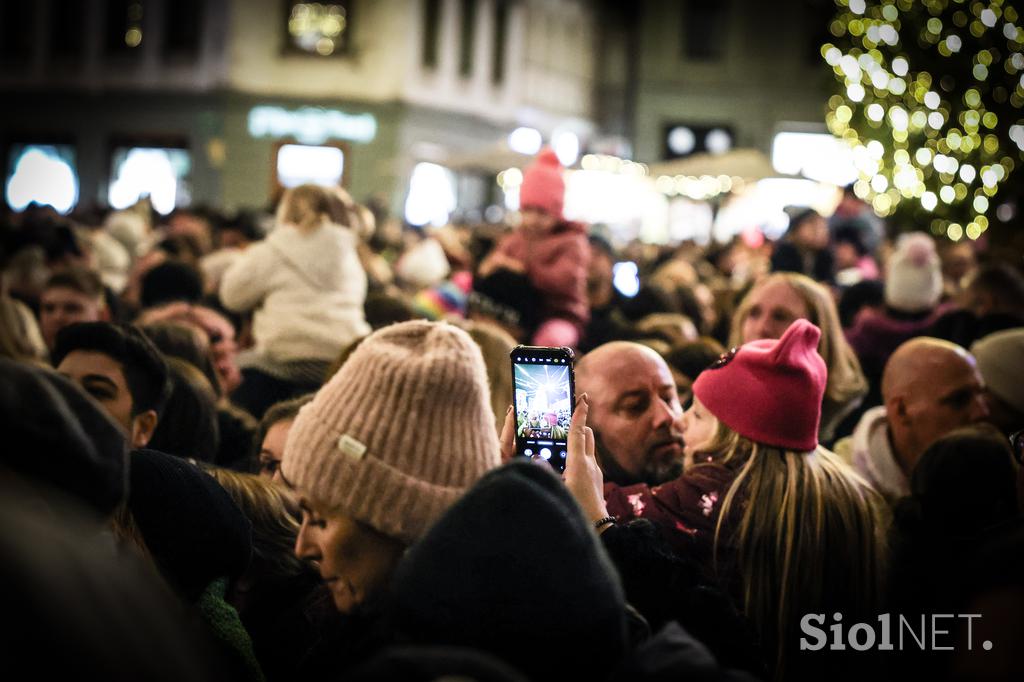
point(634, 412)
point(929, 388)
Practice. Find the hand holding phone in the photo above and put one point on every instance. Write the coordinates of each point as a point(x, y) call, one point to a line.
point(543, 400)
point(583, 475)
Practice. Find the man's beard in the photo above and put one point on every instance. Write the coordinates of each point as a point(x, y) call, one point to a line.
point(652, 474)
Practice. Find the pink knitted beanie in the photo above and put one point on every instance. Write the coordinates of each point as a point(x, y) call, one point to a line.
point(770, 391)
point(400, 432)
point(543, 186)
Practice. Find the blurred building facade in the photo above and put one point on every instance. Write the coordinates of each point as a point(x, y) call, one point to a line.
point(370, 89)
point(739, 71)
point(241, 98)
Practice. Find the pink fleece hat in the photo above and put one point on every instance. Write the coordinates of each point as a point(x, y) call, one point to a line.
point(770, 391)
point(543, 186)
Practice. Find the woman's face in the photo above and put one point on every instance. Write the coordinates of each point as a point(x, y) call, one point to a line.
point(773, 308)
point(698, 430)
point(272, 449)
point(354, 560)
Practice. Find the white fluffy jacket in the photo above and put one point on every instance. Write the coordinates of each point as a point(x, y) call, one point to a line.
point(308, 290)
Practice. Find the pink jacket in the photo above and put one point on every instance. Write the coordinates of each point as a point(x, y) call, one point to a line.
point(556, 264)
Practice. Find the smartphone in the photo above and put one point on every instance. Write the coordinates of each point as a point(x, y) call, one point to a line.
point(543, 397)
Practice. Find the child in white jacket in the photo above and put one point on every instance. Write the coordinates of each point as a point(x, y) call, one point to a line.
point(307, 287)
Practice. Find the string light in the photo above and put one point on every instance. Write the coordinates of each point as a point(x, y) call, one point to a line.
point(948, 135)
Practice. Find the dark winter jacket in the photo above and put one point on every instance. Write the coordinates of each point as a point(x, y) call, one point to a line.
point(817, 265)
point(514, 570)
point(876, 334)
point(666, 587)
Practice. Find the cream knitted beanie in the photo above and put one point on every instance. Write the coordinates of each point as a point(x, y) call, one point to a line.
point(1000, 359)
point(913, 278)
point(400, 432)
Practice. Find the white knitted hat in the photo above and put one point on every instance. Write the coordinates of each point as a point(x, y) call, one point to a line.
point(400, 432)
point(913, 277)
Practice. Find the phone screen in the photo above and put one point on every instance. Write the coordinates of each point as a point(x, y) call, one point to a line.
point(543, 400)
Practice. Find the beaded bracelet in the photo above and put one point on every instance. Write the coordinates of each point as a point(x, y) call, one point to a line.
point(600, 523)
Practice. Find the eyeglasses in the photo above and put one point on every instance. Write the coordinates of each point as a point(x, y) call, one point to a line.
point(1017, 445)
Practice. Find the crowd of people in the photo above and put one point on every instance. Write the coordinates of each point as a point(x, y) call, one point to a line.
point(280, 446)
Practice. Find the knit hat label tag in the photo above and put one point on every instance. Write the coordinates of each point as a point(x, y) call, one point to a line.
point(351, 447)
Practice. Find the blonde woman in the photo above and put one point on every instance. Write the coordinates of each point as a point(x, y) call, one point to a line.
point(20, 338)
point(767, 311)
point(787, 527)
point(307, 287)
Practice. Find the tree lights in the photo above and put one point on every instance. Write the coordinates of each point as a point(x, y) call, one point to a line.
point(930, 97)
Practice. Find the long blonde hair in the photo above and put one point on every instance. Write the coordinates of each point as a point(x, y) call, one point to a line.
point(309, 206)
point(845, 378)
point(20, 338)
point(808, 535)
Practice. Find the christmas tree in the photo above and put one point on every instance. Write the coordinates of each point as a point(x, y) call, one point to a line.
point(929, 98)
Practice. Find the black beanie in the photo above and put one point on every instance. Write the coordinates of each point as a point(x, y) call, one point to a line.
point(191, 526)
point(965, 482)
point(513, 569)
point(169, 282)
point(58, 435)
point(509, 298)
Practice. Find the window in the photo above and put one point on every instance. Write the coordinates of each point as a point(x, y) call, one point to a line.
point(298, 164)
point(183, 27)
point(500, 35)
point(431, 195)
point(160, 173)
point(704, 29)
point(468, 18)
point(123, 26)
point(43, 174)
point(315, 28)
point(67, 28)
point(683, 139)
point(16, 30)
point(817, 156)
point(431, 31)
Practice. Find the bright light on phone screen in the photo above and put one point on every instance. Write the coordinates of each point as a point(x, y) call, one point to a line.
point(543, 408)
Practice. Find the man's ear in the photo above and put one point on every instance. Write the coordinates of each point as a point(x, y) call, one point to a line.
point(143, 426)
point(896, 409)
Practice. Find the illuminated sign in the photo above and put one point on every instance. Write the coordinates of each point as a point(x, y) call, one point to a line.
point(311, 125)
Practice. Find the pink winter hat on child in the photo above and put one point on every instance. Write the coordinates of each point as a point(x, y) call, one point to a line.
point(543, 186)
point(770, 391)
point(400, 432)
